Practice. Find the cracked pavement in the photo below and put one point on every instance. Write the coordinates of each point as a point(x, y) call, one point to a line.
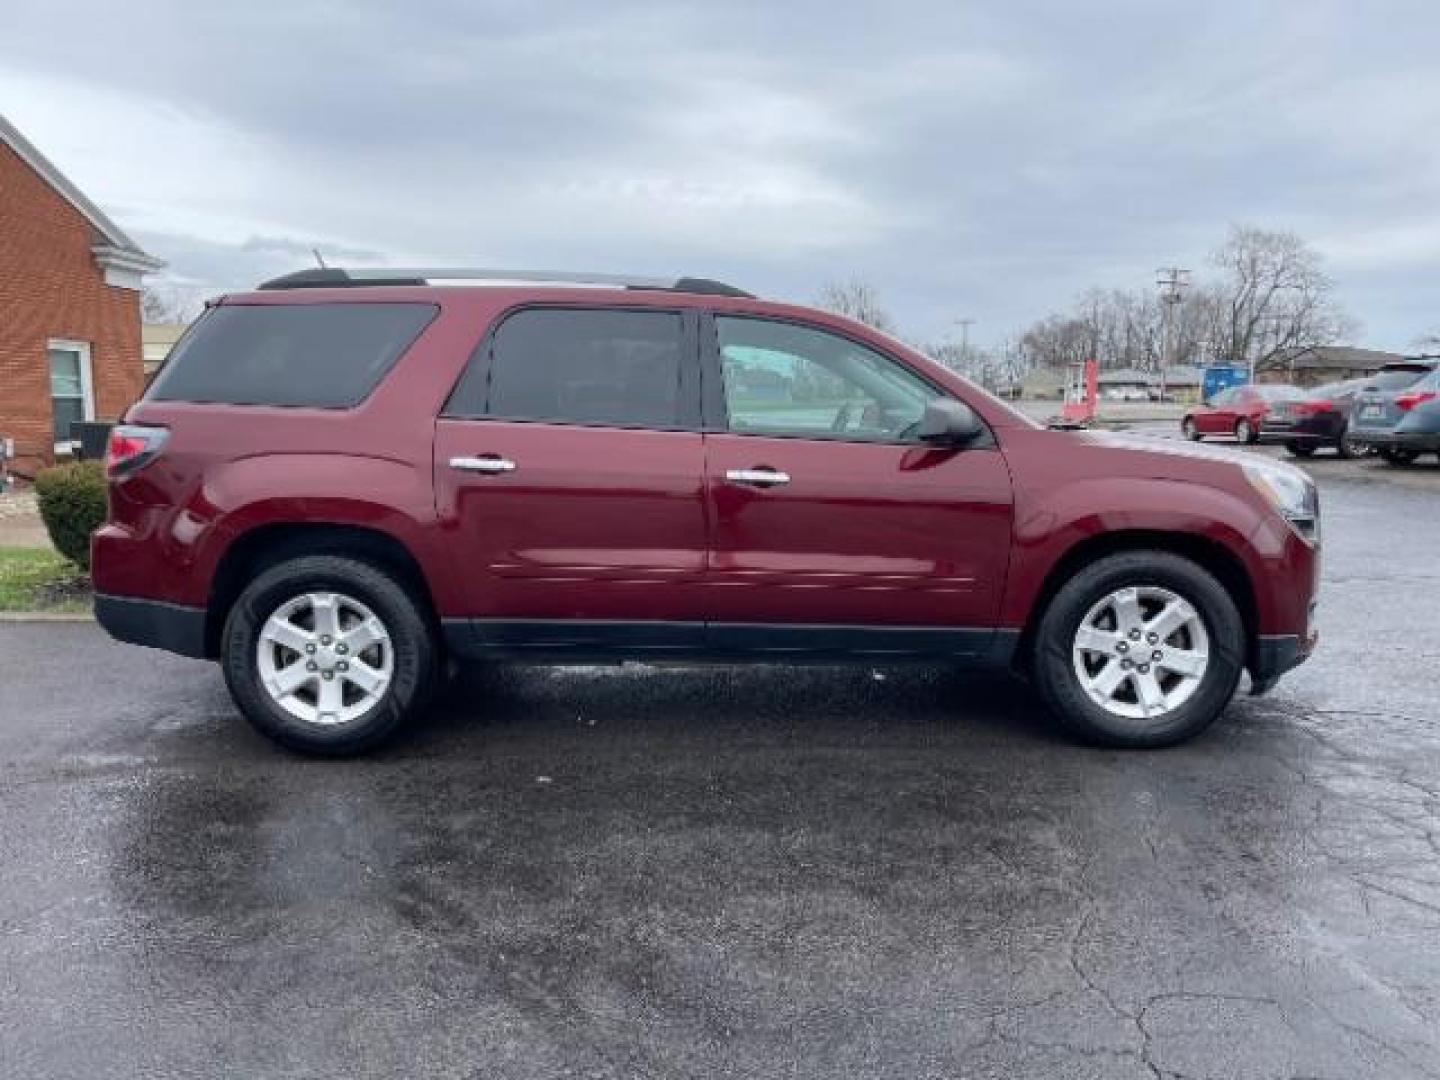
point(720, 872)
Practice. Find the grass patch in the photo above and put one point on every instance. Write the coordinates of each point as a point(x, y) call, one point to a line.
point(35, 579)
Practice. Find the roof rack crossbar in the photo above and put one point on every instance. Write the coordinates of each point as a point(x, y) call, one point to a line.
point(335, 277)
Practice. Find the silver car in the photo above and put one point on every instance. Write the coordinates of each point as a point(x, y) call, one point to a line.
point(1400, 423)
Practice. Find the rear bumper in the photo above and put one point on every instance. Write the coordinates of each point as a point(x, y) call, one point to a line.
point(1318, 431)
point(1274, 655)
point(1271, 436)
point(154, 623)
point(1428, 441)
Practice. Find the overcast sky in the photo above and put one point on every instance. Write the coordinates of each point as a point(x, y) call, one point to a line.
point(970, 160)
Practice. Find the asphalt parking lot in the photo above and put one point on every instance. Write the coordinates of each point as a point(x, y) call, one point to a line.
point(719, 872)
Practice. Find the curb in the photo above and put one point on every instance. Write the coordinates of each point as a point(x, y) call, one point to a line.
point(13, 617)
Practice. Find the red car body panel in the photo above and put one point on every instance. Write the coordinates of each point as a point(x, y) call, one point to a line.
point(863, 533)
point(1221, 420)
point(1101, 485)
point(611, 523)
point(639, 550)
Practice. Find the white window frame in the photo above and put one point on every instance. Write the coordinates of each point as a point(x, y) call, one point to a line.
point(87, 385)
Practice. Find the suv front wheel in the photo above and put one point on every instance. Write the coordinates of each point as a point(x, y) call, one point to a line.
point(1139, 649)
point(328, 655)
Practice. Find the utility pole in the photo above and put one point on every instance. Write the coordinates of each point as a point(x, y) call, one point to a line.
point(1173, 281)
point(965, 325)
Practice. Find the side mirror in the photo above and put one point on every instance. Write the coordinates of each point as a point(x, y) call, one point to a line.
point(949, 423)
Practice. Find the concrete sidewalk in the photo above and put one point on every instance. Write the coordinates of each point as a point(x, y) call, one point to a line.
point(20, 524)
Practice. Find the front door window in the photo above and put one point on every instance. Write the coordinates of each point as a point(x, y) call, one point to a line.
point(784, 379)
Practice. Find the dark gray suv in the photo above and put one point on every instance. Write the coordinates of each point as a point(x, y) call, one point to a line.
point(1401, 424)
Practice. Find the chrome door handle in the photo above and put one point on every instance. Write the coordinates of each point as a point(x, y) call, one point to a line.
point(483, 464)
point(757, 477)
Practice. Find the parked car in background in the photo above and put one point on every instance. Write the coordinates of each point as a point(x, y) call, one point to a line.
point(1313, 422)
point(1399, 423)
point(1127, 393)
point(342, 482)
point(1322, 418)
point(1238, 411)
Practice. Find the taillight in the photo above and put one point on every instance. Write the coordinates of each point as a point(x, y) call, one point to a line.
point(1318, 405)
point(132, 447)
point(1406, 402)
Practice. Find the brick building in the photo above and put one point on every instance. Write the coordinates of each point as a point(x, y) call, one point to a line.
point(69, 306)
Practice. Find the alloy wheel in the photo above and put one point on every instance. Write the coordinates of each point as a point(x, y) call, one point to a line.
point(1141, 652)
point(325, 658)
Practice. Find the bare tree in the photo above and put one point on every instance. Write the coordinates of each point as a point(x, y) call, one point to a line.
point(964, 360)
point(1115, 327)
point(1057, 341)
point(168, 303)
point(1273, 297)
point(858, 300)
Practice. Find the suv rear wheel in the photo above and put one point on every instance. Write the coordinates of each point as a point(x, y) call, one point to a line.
point(1139, 649)
point(328, 655)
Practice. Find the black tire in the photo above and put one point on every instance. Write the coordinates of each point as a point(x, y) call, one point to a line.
point(1245, 431)
point(1053, 665)
point(1299, 449)
point(1401, 457)
point(1345, 448)
point(1189, 430)
point(416, 657)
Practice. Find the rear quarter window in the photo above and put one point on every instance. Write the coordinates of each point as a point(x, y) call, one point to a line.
point(328, 356)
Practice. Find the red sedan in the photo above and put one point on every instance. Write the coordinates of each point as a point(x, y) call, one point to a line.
point(1237, 411)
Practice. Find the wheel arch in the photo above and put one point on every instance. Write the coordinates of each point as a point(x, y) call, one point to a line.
point(268, 545)
point(1212, 556)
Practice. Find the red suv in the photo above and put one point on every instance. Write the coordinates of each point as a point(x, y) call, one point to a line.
point(345, 479)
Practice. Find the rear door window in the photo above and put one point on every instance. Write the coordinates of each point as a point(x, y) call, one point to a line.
point(607, 367)
point(328, 356)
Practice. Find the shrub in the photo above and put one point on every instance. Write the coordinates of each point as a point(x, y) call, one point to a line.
point(72, 505)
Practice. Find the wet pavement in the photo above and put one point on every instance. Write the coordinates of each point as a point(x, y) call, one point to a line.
point(719, 872)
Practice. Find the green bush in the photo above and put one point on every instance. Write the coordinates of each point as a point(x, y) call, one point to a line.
point(72, 505)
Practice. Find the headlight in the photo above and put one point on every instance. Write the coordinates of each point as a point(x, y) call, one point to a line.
point(1290, 492)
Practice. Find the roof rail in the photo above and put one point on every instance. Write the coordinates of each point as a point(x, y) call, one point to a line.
point(335, 277)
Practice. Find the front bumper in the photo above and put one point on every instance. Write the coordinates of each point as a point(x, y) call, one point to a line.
point(153, 623)
point(1274, 655)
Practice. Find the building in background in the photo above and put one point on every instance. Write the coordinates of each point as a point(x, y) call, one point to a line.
point(69, 307)
point(156, 341)
point(1121, 384)
point(1181, 383)
point(1040, 384)
point(1314, 365)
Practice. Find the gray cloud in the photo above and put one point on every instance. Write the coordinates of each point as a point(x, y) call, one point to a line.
point(971, 160)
